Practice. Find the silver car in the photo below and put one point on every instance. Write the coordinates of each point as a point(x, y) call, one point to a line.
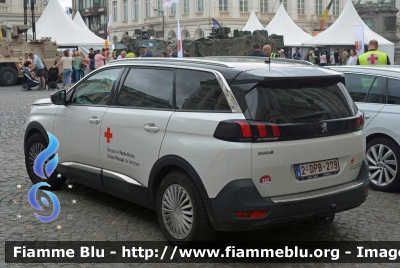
point(376, 91)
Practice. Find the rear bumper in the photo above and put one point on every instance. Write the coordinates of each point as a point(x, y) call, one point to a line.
point(242, 195)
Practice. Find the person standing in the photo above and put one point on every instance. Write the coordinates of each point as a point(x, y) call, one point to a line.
point(76, 64)
point(336, 55)
point(344, 56)
point(86, 61)
point(353, 57)
point(171, 53)
point(163, 54)
point(66, 61)
point(122, 55)
point(126, 40)
point(323, 61)
point(256, 51)
point(145, 53)
point(373, 56)
point(130, 55)
point(38, 65)
point(317, 54)
point(267, 50)
point(98, 60)
point(26, 62)
point(311, 56)
point(91, 57)
point(332, 59)
point(297, 55)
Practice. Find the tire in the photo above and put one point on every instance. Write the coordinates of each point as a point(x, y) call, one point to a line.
point(34, 146)
point(25, 87)
point(178, 183)
point(8, 76)
point(384, 165)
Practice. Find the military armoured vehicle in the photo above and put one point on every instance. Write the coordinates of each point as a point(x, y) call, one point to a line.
point(215, 46)
point(13, 51)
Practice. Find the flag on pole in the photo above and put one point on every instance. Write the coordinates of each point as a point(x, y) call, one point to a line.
point(215, 23)
point(359, 38)
point(325, 15)
point(169, 3)
point(180, 52)
point(109, 28)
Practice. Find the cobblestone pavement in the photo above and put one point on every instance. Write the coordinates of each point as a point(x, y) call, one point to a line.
point(99, 216)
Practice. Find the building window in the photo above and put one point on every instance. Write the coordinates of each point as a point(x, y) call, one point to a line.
point(223, 5)
point(171, 35)
point(263, 5)
point(200, 5)
point(87, 4)
point(136, 4)
point(115, 11)
point(185, 6)
point(125, 9)
point(147, 8)
point(336, 7)
point(318, 7)
point(244, 5)
point(173, 9)
point(284, 2)
point(185, 34)
point(300, 6)
point(2, 2)
point(160, 5)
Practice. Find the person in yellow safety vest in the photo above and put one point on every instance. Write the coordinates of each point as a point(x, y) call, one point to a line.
point(273, 55)
point(373, 56)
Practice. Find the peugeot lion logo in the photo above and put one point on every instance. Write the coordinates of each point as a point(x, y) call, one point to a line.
point(324, 127)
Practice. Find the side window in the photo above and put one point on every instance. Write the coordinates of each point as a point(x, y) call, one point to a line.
point(359, 87)
point(96, 89)
point(196, 90)
point(394, 91)
point(147, 88)
point(375, 93)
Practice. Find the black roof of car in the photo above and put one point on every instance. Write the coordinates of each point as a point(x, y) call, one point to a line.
point(230, 67)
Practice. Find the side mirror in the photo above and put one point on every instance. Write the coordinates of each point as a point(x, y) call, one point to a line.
point(58, 97)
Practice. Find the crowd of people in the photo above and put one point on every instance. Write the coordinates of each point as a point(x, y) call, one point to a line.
point(76, 65)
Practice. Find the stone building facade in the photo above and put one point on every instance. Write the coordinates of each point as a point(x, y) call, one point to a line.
point(12, 13)
point(195, 15)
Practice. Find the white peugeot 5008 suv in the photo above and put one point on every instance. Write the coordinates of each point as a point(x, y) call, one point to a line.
point(223, 144)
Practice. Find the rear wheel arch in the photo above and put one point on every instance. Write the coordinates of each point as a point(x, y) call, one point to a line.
point(171, 163)
point(380, 135)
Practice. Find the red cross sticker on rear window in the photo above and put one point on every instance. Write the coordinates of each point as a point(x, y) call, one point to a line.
point(108, 135)
point(372, 58)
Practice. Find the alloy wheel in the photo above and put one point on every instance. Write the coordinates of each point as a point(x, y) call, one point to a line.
point(35, 149)
point(382, 164)
point(177, 211)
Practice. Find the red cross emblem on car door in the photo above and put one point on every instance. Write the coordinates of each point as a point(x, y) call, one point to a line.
point(372, 58)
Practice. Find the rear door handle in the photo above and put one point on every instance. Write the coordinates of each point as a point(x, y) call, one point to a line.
point(151, 128)
point(367, 116)
point(94, 120)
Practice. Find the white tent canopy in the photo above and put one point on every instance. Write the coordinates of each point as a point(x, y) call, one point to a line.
point(78, 20)
point(253, 23)
point(55, 23)
point(341, 33)
point(282, 24)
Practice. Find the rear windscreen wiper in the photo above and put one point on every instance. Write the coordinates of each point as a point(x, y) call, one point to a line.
point(310, 115)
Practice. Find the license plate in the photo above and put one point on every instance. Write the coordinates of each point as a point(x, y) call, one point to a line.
point(317, 169)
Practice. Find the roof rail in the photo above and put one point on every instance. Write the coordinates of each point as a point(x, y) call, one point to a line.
point(199, 60)
point(254, 59)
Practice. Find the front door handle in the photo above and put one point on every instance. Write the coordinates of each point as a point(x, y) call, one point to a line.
point(367, 116)
point(151, 128)
point(94, 120)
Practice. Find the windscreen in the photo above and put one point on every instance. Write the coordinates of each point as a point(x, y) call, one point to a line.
point(299, 101)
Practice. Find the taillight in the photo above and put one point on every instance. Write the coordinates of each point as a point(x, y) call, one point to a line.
point(245, 131)
point(359, 121)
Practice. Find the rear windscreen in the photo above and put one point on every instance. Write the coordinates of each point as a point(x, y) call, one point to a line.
point(298, 101)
